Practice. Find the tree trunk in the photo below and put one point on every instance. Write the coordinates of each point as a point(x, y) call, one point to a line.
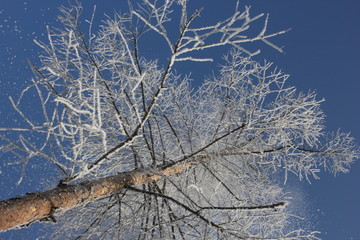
point(21, 211)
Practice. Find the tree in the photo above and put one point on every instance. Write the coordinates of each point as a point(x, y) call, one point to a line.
point(142, 154)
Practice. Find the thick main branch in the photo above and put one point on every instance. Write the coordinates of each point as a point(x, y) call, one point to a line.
point(17, 212)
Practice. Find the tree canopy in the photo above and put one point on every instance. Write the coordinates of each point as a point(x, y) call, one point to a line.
point(148, 155)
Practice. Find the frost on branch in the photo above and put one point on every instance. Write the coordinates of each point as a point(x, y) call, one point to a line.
point(109, 110)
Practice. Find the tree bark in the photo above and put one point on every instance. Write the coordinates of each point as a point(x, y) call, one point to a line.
point(21, 211)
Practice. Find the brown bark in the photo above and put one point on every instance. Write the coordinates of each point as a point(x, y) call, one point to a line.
point(18, 212)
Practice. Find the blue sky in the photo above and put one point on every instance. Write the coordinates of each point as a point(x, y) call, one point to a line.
point(322, 53)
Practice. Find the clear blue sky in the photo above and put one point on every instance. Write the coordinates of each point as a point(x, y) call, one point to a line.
point(322, 53)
